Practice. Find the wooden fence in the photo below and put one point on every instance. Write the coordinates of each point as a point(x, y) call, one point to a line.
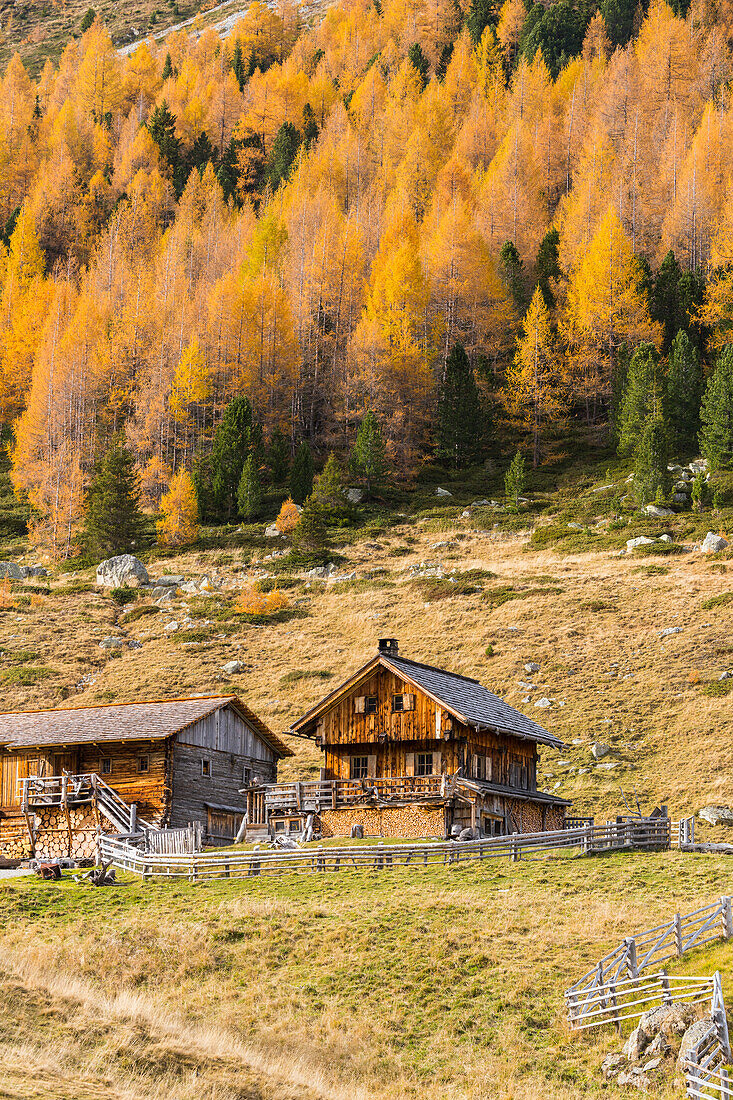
point(648, 833)
point(645, 950)
point(185, 841)
point(706, 1075)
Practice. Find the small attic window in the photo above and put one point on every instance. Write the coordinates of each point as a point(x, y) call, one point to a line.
point(370, 704)
point(398, 703)
point(206, 768)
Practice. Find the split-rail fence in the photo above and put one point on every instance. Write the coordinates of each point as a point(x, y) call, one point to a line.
point(124, 853)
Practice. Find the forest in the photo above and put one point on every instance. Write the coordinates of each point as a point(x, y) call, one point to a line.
point(473, 227)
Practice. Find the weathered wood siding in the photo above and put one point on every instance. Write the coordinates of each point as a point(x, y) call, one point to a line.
point(345, 732)
point(149, 789)
point(19, 765)
point(230, 746)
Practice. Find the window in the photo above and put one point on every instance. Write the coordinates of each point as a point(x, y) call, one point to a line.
point(359, 767)
point(206, 768)
point(423, 763)
point(370, 704)
point(279, 826)
point(398, 703)
point(295, 825)
point(246, 776)
point(105, 765)
point(143, 764)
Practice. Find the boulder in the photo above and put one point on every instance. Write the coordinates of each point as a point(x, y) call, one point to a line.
point(163, 593)
point(318, 571)
point(666, 1022)
point(635, 1078)
point(37, 571)
point(125, 569)
point(531, 666)
point(599, 750)
point(680, 498)
point(692, 1037)
point(670, 630)
point(133, 644)
point(208, 584)
point(665, 538)
point(271, 531)
point(726, 675)
point(637, 1042)
point(354, 496)
point(713, 544)
point(171, 628)
point(716, 815)
point(169, 581)
point(482, 503)
point(442, 493)
point(658, 1048)
point(10, 569)
point(543, 702)
point(231, 668)
point(658, 510)
point(111, 643)
point(642, 540)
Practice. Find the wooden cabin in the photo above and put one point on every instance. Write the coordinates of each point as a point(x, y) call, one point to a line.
point(177, 761)
point(411, 750)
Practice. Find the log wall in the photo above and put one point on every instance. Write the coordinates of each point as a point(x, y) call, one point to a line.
point(193, 792)
point(150, 789)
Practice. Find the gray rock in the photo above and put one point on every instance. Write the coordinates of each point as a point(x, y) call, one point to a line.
point(318, 571)
point(637, 1042)
point(442, 493)
point(716, 815)
point(650, 1066)
point(599, 750)
point(642, 540)
point(726, 676)
point(635, 1078)
point(680, 498)
point(171, 581)
point(713, 544)
point(271, 532)
point(609, 765)
point(354, 496)
point(692, 1037)
point(666, 1022)
point(231, 668)
point(37, 571)
point(133, 644)
point(111, 643)
point(531, 666)
point(543, 702)
point(612, 1065)
point(659, 1047)
point(345, 577)
point(125, 569)
point(670, 630)
point(10, 569)
point(666, 538)
point(482, 503)
point(657, 510)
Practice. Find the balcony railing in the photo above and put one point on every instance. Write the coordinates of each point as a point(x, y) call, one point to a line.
point(38, 792)
point(323, 794)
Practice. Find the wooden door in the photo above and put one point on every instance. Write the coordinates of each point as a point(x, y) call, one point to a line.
point(63, 762)
point(9, 781)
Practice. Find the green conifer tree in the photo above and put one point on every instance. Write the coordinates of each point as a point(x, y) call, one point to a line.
point(512, 272)
point(278, 457)
point(459, 412)
point(310, 535)
point(548, 265)
point(419, 61)
point(238, 67)
point(162, 129)
point(651, 456)
point(249, 492)
point(514, 482)
point(368, 460)
point(235, 439)
point(167, 67)
point(329, 493)
point(716, 414)
point(684, 393)
point(113, 522)
point(301, 474)
point(282, 154)
point(643, 398)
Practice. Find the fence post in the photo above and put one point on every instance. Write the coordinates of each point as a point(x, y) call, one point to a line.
point(725, 1093)
point(720, 1017)
point(631, 962)
point(666, 993)
point(678, 933)
point(514, 850)
point(727, 917)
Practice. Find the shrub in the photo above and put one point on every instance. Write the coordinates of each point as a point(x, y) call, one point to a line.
point(305, 674)
point(124, 595)
point(722, 600)
point(139, 613)
point(178, 525)
point(288, 517)
point(717, 688)
point(25, 676)
point(253, 602)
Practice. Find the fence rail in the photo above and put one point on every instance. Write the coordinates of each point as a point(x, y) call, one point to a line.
point(184, 841)
point(379, 857)
point(706, 1073)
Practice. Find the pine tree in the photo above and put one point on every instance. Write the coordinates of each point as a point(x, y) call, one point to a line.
point(301, 474)
point(235, 439)
point(249, 492)
point(665, 305)
point(512, 271)
point(534, 395)
point(167, 68)
point(162, 129)
point(644, 395)
point(238, 67)
point(651, 477)
point(459, 412)
point(178, 525)
point(548, 265)
point(310, 535)
point(619, 378)
point(368, 460)
point(113, 523)
point(716, 414)
point(330, 494)
point(282, 154)
point(278, 457)
point(514, 482)
point(684, 393)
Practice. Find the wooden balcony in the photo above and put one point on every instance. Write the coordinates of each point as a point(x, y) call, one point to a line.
point(40, 792)
point(329, 794)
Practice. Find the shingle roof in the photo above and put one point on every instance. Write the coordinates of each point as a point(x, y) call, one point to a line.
point(149, 720)
point(468, 700)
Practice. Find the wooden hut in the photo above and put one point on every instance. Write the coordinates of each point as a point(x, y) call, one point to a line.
point(411, 750)
point(177, 761)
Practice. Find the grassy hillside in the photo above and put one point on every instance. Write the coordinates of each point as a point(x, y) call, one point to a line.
point(435, 984)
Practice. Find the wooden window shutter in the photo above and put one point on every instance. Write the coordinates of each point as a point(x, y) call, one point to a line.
point(409, 763)
point(438, 720)
point(359, 704)
point(371, 766)
point(437, 763)
point(408, 702)
point(474, 766)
